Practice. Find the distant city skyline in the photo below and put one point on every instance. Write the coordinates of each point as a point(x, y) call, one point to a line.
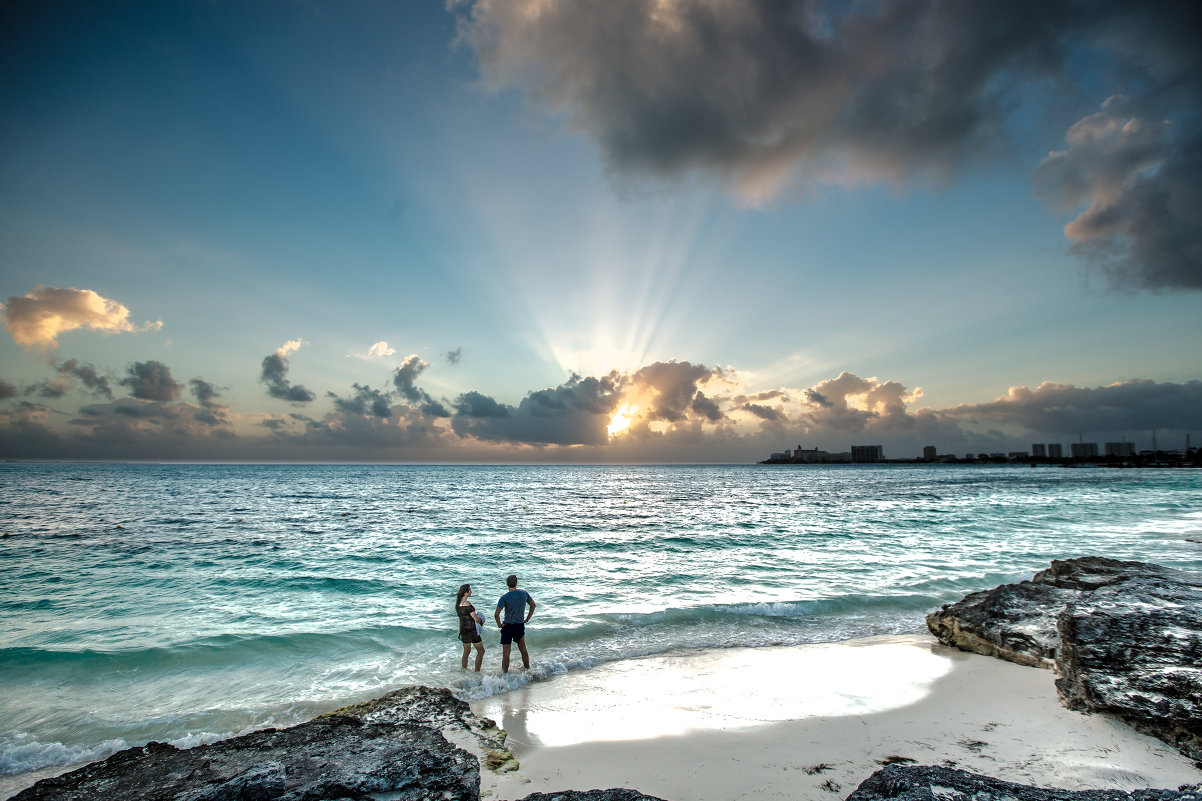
point(634, 231)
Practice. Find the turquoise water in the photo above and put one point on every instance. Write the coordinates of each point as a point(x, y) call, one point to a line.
point(191, 602)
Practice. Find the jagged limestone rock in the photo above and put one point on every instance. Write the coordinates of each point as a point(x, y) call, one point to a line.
point(592, 795)
point(438, 708)
point(1133, 650)
point(1015, 622)
point(927, 783)
point(332, 757)
point(1124, 637)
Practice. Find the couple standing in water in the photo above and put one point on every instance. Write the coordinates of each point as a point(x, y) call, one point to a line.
point(513, 629)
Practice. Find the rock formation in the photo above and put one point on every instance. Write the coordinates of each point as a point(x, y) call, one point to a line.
point(1124, 637)
point(924, 783)
point(591, 795)
point(394, 747)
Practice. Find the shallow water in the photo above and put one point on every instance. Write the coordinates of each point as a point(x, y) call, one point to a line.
point(190, 602)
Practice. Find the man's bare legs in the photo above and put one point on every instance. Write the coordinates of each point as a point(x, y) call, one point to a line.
point(525, 656)
point(521, 650)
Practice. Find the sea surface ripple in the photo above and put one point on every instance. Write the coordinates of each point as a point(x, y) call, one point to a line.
point(190, 602)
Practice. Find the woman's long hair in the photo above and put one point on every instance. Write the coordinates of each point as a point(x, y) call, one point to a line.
point(462, 592)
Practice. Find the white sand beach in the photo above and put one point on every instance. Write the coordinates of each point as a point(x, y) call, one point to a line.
point(810, 722)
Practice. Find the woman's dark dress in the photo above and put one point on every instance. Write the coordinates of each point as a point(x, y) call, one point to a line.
point(467, 624)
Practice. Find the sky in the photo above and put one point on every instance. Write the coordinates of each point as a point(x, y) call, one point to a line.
point(582, 231)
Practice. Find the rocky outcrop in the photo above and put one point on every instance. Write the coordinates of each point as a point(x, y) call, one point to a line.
point(332, 758)
point(399, 746)
point(1124, 637)
point(1015, 622)
point(1133, 650)
point(393, 745)
point(924, 783)
point(591, 795)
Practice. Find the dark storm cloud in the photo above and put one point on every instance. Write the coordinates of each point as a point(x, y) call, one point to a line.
point(204, 392)
point(575, 413)
point(274, 373)
point(764, 95)
point(432, 408)
point(1140, 184)
point(7, 390)
point(152, 381)
point(757, 91)
point(405, 378)
point(87, 375)
point(1126, 406)
point(365, 401)
point(764, 412)
point(707, 408)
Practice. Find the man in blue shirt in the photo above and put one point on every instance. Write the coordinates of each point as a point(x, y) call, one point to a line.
point(513, 629)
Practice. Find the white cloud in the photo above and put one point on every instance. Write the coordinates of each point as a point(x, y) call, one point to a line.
point(291, 346)
point(38, 318)
point(380, 350)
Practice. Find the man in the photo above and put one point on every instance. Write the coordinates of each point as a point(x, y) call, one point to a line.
point(513, 629)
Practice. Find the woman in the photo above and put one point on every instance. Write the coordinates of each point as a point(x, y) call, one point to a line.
point(469, 626)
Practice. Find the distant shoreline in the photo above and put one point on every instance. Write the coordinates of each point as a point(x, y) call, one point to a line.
point(1102, 461)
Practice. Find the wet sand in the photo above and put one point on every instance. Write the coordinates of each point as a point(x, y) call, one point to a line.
point(810, 722)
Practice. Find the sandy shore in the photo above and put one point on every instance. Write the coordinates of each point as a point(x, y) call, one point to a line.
point(810, 722)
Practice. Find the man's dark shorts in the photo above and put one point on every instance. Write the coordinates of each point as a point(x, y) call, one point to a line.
point(512, 632)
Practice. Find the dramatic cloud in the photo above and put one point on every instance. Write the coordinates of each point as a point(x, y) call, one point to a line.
point(850, 403)
point(665, 411)
point(764, 95)
point(152, 381)
point(1130, 406)
point(1141, 189)
point(667, 390)
point(761, 92)
point(574, 413)
point(274, 373)
point(37, 319)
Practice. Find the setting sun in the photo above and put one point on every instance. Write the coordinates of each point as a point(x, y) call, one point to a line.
point(621, 420)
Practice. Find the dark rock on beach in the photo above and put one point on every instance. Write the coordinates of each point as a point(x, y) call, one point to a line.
point(1124, 637)
point(925, 783)
point(1015, 622)
point(591, 795)
point(391, 746)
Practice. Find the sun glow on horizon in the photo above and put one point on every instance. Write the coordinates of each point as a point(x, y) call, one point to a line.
point(621, 420)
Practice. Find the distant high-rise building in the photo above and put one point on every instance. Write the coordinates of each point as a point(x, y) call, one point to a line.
point(928, 452)
point(1039, 450)
point(1055, 450)
point(1120, 449)
point(867, 453)
point(1084, 450)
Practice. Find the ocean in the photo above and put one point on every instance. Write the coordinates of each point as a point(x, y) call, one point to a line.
point(187, 603)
